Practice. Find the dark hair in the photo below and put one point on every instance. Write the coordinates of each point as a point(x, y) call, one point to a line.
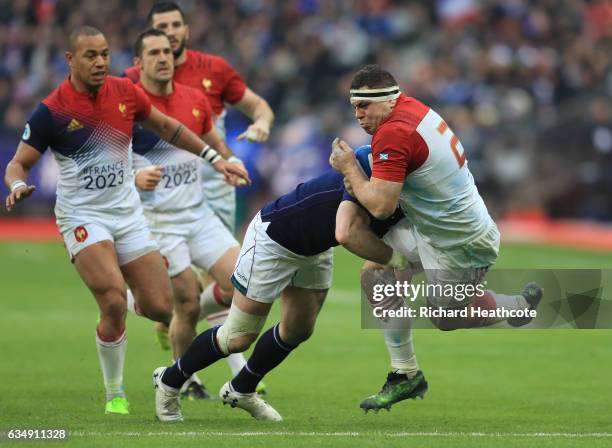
point(374, 77)
point(138, 45)
point(84, 30)
point(161, 7)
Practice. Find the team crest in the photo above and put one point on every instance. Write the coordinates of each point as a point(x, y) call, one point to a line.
point(207, 84)
point(383, 156)
point(80, 233)
point(26, 132)
point(74, 125)
point(195, 112)
point(122, 109)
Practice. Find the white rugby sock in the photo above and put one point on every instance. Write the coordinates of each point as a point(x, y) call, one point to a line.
point(211, 301)
point(132, 306)
point(516, 302)
point(401, 350)
point(112, 359)
point(236, 361)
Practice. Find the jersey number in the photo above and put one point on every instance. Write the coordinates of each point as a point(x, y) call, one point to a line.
point(100, 182)
point(454, 142)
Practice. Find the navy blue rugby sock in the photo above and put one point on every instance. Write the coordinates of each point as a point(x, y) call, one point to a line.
point(269, 352)
point(202, 352)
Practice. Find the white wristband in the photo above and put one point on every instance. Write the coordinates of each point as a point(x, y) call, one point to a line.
point(17, 184)
point(210, 155)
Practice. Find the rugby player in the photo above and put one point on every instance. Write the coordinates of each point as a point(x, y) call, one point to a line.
point(287, 252)
point(221, 84)
point(420, 165)
point(87, 121)
point(185, 228)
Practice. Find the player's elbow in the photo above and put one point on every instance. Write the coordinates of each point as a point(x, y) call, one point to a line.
point(382, 210)
point(343, 234)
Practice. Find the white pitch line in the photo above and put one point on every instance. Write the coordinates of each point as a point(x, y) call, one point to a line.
point(340, 434)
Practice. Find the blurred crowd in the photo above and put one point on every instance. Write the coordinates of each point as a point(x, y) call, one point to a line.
point(526, 85)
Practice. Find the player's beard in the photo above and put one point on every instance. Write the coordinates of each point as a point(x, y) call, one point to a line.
point(179, 50)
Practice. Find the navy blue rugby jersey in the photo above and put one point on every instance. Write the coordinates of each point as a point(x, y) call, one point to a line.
point(304, 220)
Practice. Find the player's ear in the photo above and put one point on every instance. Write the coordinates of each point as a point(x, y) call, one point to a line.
point(69, 57)
point(136, 61)
point(186, 32)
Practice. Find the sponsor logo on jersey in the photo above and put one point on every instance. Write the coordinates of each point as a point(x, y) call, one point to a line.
point(122, 109)
point(74, 125)
point(195, 112)
point(26, 132)
point(383, 156)
point(80, 233)
point(207, 84)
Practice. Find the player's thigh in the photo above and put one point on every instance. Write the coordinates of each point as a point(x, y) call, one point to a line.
point(299, 310)
point(402, 238)
point(186, 292)
point(174, 249)
point(264, 268)
point(97, 265)
point(133, 239)
point(148, 279)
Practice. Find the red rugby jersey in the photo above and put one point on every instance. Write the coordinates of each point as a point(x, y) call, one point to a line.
point(186, 104)
point(210, 74)
point(397, 149)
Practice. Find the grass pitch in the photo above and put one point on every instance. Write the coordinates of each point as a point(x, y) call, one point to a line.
point(509, 388)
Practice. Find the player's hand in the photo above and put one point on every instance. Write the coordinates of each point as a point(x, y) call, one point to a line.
point(257, 132)
point(342, 156)
point(148, 178)
point(235, 173)
point(19, 195)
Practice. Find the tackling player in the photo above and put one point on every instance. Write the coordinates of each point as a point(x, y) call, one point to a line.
point(185, 228)
point(87, 121)
point(287, 252)
point(420, 165)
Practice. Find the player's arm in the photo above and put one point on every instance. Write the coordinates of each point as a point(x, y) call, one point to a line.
point(180, 136)
point(380, 197)
point(353, 232)
point(16, 174)
point(260, 113)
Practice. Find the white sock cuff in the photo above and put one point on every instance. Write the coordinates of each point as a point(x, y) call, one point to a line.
point(105, 343)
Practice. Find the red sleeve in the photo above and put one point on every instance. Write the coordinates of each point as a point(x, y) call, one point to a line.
point(234, 88)
point(143, 104)
point(207, 112)
point(390, 154)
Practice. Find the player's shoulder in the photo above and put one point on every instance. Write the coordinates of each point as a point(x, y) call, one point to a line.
point(121, 84)
point(200, 59)
point(406, 116)
point(132, 73)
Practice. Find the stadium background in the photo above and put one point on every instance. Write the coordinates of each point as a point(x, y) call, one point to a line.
point(527, 87)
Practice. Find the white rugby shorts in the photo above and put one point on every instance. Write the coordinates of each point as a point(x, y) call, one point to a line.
point(129, 234)
point(462, 265)
point(265, 268)
point(200, 242)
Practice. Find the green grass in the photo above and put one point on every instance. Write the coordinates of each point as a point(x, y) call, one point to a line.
point(515, 383)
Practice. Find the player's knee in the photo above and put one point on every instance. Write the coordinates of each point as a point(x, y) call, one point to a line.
point(295, 336)
point(159, 310)
point(112, 302)
point(188, 307)
point(241, 343)
point(239, 331)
